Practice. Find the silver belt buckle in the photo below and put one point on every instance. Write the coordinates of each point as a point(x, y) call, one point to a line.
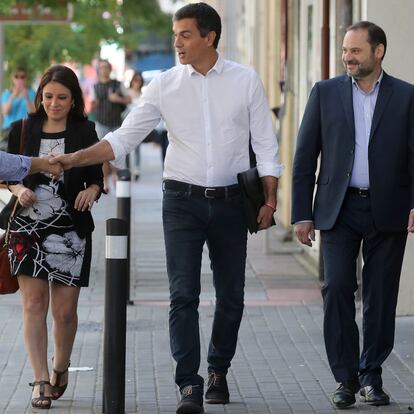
point(361, 192)
point(206, 195)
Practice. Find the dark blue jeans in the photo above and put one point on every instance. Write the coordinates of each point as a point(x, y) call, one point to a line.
point(189, 222)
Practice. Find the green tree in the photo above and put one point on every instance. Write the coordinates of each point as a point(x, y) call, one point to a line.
point(125, 22)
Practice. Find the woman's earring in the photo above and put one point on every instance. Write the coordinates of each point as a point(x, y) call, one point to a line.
point(73, 104)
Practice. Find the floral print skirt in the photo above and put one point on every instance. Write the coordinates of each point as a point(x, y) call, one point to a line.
point(44, 243)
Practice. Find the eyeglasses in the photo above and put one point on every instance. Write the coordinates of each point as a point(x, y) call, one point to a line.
point(19, 76)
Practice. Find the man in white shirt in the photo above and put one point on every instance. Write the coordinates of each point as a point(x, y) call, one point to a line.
point(210, 107)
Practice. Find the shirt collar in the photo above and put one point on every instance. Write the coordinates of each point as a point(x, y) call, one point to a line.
point(377, 83)
point(218, 66)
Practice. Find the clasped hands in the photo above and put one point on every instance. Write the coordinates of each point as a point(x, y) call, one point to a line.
point(55, 170)
point(58, 163)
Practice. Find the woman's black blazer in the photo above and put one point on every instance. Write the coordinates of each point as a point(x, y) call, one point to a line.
point(80, 134)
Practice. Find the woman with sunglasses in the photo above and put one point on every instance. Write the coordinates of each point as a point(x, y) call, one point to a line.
point(17, 101)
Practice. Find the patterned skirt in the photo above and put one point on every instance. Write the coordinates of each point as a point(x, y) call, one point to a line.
point(44, 243)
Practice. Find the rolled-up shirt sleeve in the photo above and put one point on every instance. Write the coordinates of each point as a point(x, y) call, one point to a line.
point(14, 167)
point(263, 137)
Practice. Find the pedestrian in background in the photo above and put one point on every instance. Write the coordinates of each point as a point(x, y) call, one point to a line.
point(362, 126)
point(17, 101)
point(50, 239)
point(109, 99)
point(135, 92)
point(211, 106)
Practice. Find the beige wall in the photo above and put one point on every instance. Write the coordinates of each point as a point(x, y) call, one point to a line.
point(399, 27)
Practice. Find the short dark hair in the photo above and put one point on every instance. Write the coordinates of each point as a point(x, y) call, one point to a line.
point(20, 69)
point(376, 35)
point(67, 77)
point(208, 20)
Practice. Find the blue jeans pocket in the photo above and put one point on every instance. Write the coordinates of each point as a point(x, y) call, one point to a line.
point(174, 195)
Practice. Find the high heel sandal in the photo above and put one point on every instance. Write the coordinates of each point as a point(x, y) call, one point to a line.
point(58, 389)
point(42, 401)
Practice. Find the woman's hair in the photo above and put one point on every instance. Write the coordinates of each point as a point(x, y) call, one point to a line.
point(67, 77)
point(137, 75)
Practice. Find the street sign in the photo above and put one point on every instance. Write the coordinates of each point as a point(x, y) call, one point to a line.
point(20, 13)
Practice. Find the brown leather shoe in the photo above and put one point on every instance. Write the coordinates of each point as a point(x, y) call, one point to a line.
point(217, 389)
point(191, 400)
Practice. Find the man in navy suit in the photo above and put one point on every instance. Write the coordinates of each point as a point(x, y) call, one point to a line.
point(362, 127)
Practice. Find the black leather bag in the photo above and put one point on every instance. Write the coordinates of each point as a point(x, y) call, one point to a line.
point(251, 189)
point(8, 282)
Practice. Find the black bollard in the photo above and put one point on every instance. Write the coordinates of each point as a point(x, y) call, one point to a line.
point(115, 317)
point(123, 195)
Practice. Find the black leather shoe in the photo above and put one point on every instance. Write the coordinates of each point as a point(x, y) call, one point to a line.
point(344, 396)
point(217, 389)
point(374, 395)
point(191, 400)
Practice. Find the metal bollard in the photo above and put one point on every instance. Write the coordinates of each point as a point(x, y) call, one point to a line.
point(115, 317)
point(123, 195)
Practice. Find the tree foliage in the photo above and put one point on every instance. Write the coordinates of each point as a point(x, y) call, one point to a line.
point(125, 22)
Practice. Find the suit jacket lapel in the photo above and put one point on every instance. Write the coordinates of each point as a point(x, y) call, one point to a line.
point(384, 95)
point(346, 96)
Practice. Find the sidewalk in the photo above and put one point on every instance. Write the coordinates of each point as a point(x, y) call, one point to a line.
point(280, 366)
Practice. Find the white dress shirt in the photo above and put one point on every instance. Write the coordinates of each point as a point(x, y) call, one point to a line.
point(364, 106)
point(209, 120)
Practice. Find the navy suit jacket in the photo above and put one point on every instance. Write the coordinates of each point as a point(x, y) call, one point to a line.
point(327, 130)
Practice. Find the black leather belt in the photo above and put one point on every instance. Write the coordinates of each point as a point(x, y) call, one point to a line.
point(207, 192)
point(362, 192)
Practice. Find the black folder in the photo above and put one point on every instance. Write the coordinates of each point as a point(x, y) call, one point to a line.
point(251, 189)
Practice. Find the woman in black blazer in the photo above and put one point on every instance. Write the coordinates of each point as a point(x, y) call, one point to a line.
point(50, 238)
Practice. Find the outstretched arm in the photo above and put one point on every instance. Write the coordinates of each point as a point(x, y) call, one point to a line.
point(96, 154)
point(42, 164)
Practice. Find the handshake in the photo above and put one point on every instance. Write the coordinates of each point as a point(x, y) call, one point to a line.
point(44, 164)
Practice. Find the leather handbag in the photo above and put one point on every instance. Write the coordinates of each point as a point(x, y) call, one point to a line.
point(8, 282)
point(251, 189)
